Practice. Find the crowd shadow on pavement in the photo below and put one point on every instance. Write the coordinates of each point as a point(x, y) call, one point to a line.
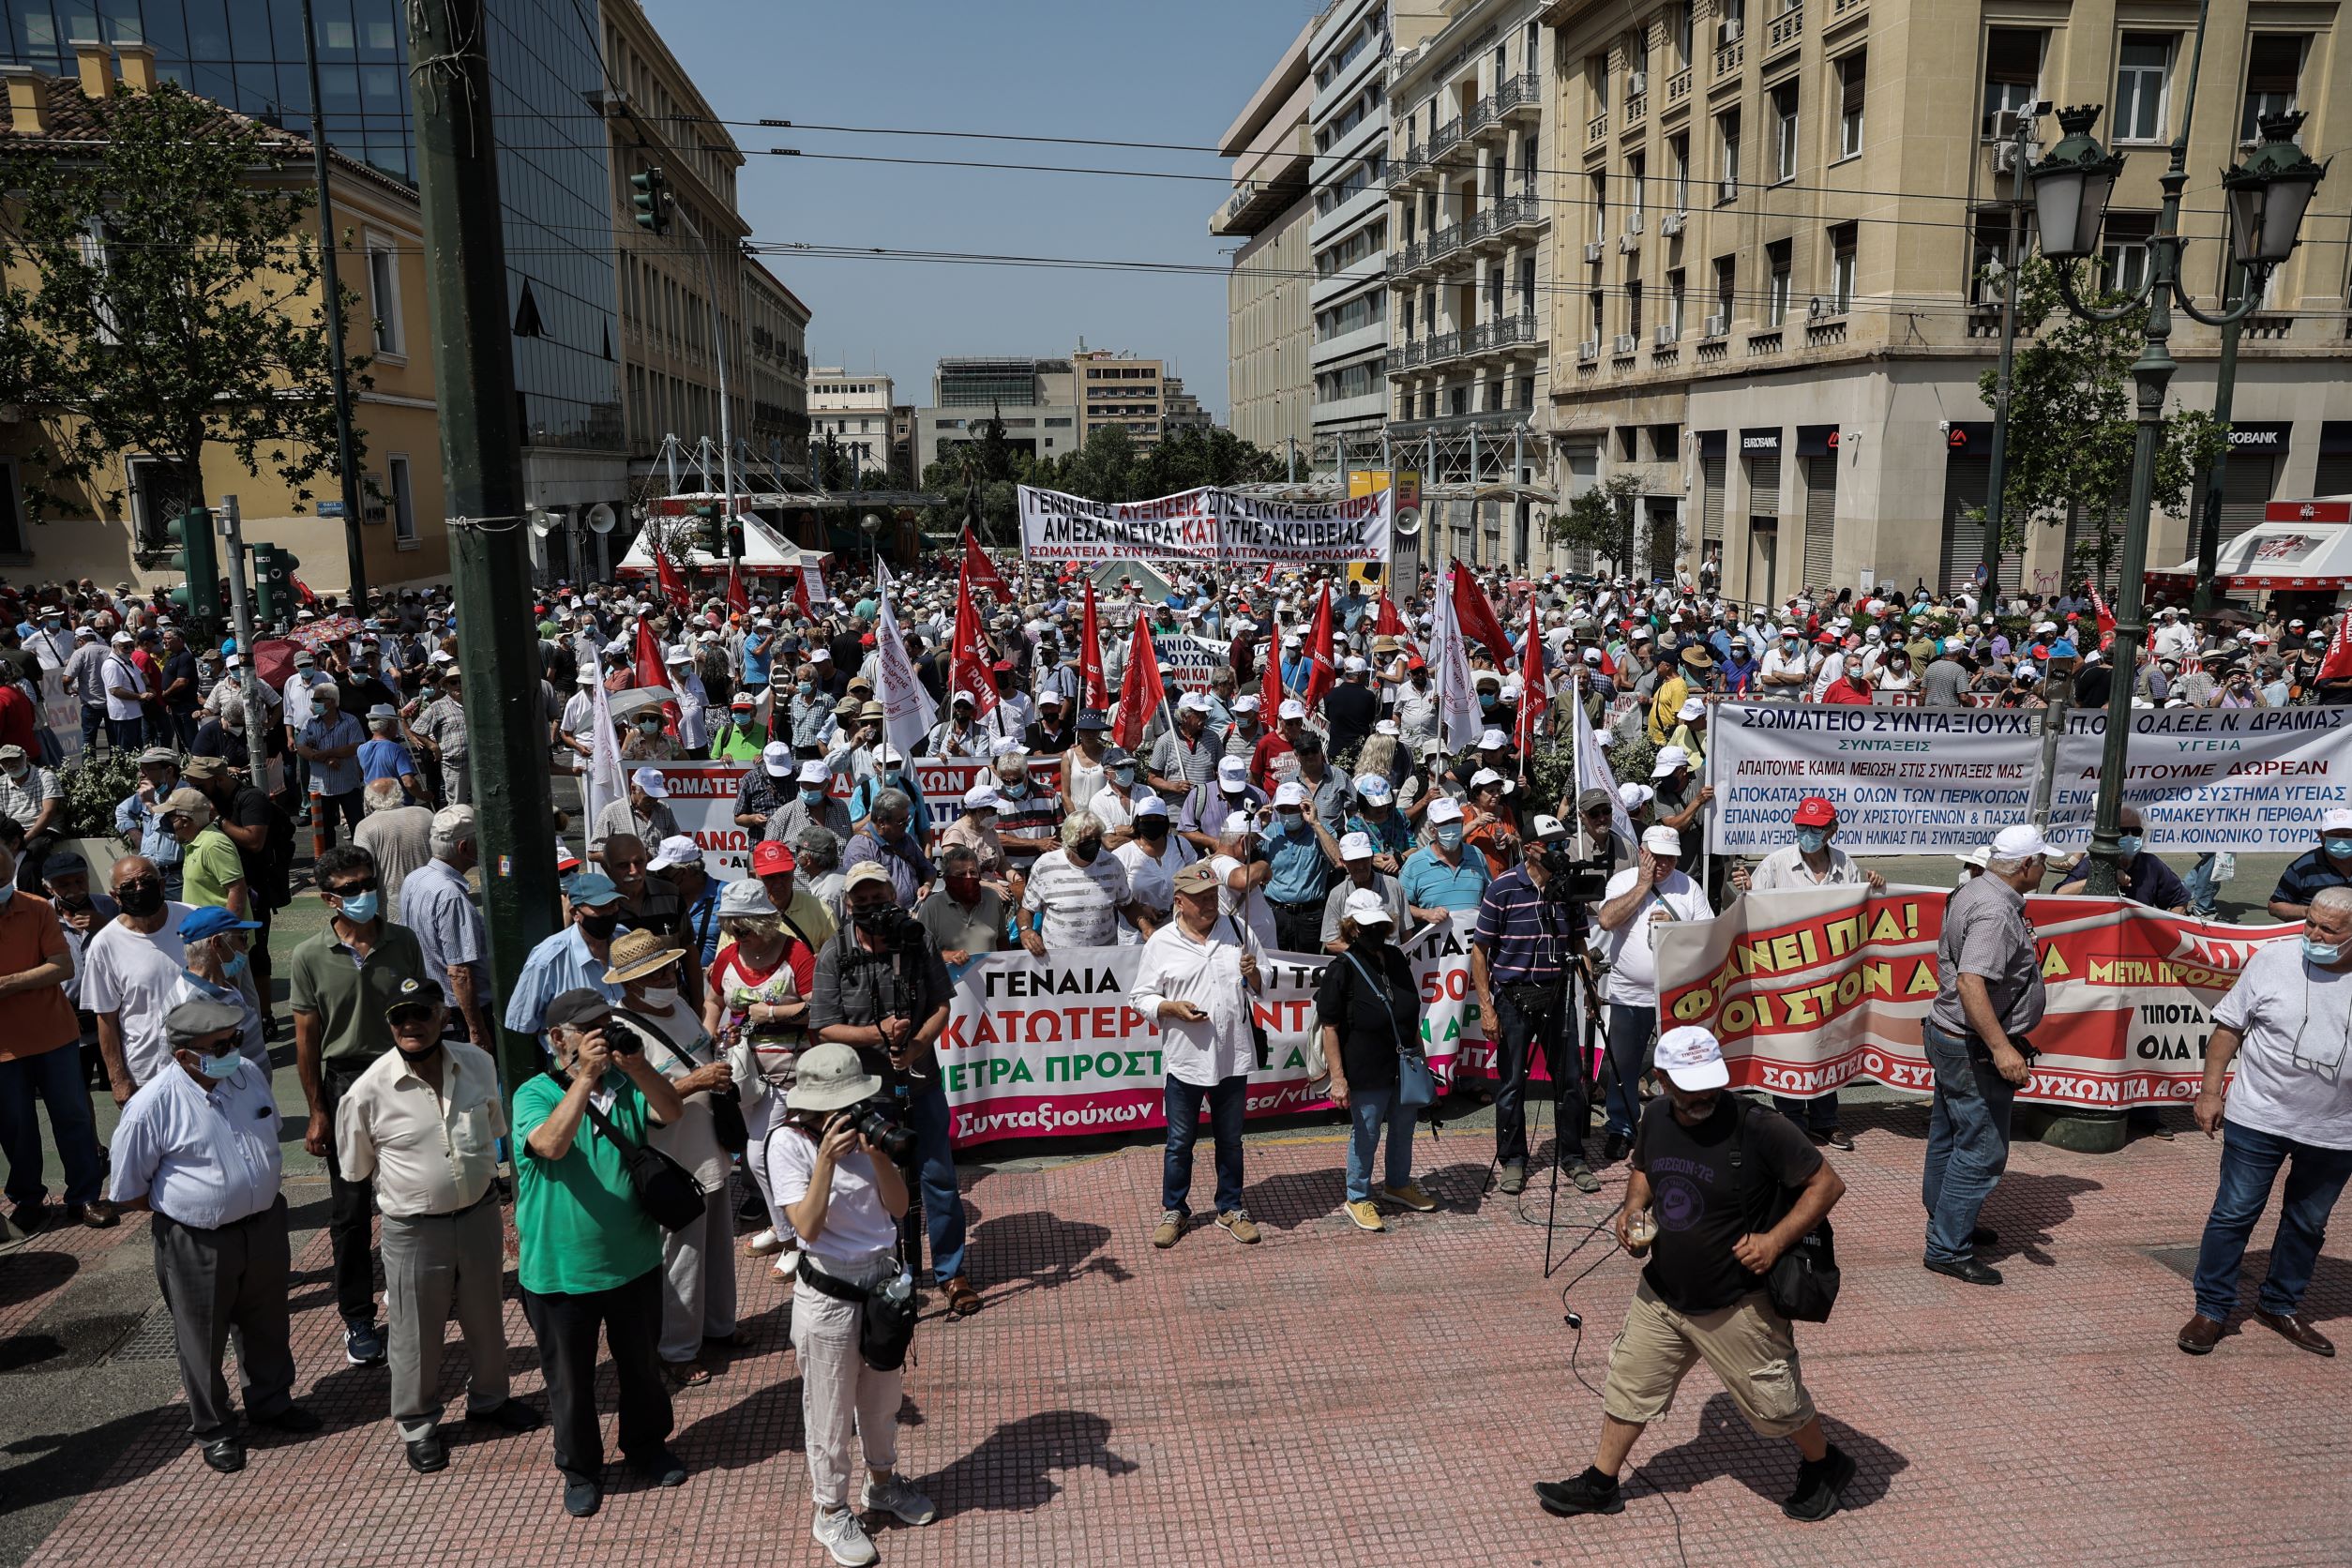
point(1036, 1250)
point(1012, 1468)
point(1296, 1197)
point(2026, 1209)
point(1726, 1444)
point(31, 1274)
point(60, 1466)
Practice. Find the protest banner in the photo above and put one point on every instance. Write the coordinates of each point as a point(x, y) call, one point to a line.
point(703, 799)
point(1206, 527)
point(1904, 780)
point(2240, 779)
point(1811, 988)
point(1187, 663)
point(61, 714)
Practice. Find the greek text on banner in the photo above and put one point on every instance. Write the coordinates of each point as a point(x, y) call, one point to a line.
point(1206, 527)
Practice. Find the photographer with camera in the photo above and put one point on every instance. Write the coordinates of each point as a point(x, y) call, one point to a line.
point(881, 989)
point(844, 1196)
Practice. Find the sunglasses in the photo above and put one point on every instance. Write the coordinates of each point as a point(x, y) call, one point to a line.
point(347, 889)
point(404, 1016)
point(142, 885)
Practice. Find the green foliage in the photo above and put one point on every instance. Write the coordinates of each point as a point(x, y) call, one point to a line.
point(1551, 768)
point(1601, 521)
point(197, 323)
point(2073, 427)
point(1631, 759)
point(94, 788)
point(1109, 467)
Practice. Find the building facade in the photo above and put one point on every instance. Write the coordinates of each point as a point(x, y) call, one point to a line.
point(851, 412)
point(1118, 389)
point(1774, 239)
point(1037, 400)
point(1271, 210)
point(1471, 230)
point(1182, 410)
point(775, 365)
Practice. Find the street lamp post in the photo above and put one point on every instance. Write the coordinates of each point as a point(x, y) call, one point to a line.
point(872, 523)
point(2268, 196)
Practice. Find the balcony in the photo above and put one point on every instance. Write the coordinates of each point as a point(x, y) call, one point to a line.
point(1729, 57)
point(1410, 165)
point(1499, 422)
point(1785, 30)
point(1514, 217)
point(1405, 356)
point(1842, 11)
point(1408, 260)
point(1254, 203)
point(1504, 334)
point(1444, 140)
point(1446, 241)
point(1678, 87)
point(1520, 97)
point(1480, 117)
point(1596, 129)
point(1636, 110)
point(1441, 346)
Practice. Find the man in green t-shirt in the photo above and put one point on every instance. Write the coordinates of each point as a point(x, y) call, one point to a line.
point(589, 1255)
point(211, 870)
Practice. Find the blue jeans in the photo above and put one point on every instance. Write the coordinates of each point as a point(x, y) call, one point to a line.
point(1813, 1116)
point(1369, 1112)
point(1227, 1101)
point(943, 1202)
point(2203, 889)
point(1630, 1029)
point(53, 1077)
point(1968, 1143)
point(2250, 1163)
point(93, 720)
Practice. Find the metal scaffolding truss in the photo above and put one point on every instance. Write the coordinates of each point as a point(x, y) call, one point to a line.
point(1487, 459)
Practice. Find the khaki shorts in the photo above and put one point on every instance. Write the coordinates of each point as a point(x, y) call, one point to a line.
point(1747, 1344)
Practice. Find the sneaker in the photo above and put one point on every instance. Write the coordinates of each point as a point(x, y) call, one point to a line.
point(1591, 1492)
point(1364, 1214)
point(897, 1498)
point(1613, 1148)
point(839, 1533)
point(1411, 1198)
point(1820, 1485)
point(1581, 1174)
point(1515, 1178)
point(363, 1344)
point(1170, 1227)
point(1239, 1225)
point(763, 1243)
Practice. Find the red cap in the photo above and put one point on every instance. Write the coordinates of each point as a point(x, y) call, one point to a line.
point(1814, 811)
point(866, 640)
point(770, 857)
point(1003, 666)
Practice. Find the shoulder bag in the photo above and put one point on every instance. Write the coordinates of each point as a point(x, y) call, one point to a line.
point(727, 1123)
point(667, 1189)
point(1803, 1284)
point(1416, 1085)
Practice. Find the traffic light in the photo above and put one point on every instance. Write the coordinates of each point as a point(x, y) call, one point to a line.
point(198, 596)
point(706, 526)
point(734, 540)
point(653, 200)
point(272, 583)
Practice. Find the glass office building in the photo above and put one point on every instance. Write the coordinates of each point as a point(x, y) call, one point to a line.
point(553, 178)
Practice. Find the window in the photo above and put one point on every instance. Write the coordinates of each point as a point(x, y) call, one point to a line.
point(2123, 251)
point(384, 297)
point(1526, 284)
point(1732, 22)
point(1784, 132)
point(1850, 73)
point(1633, 308)
point(1596, 82)
point(2013, 73)
point(1777, 258)
point(1495, 292)
point(403, 503)
point(1592, 302)
point(2143, 69)
point(1679, 161)
point(1728, 155)
point(1988, 259)
point(1842, 268)
point(1681, 26)
point(2274, 68)
point(1405, 319)
point(1636, 181)
point(1726, 275)
point(1673, 323)
point(1599, 207)
point(1528, 164)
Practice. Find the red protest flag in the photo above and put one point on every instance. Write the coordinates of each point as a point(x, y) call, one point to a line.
point(980, 572)
point(673, 586)
point(650, 671)
point(801, 600)
point(2106, 616)
point(1390, 621)
point(1535, 701)
point(1093, 688)
point(2337, 665)
point(1320, 676)
point(970, 659)
point(1476, 616)
point(738, 594)
point(1142, 693)
point(1270, 689)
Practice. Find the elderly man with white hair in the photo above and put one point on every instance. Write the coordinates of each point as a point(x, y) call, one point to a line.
point(2285, 1026)
point(1076, 893)
point(399, 834)
point(437, 903)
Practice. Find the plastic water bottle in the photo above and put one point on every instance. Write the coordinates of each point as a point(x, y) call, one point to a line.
point(898, 1287)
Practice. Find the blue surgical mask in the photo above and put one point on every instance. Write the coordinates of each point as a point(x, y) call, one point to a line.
point(2340, 847)
point(218, 1067)
point(895, 777)
point(1812, 840)
point(807, 686)
point(360, 908)
point(1450, 834)
point(2130, 844)
point(1012, 792)
point(1123, 775)
point(2322, 952)
point(812, 797)
point(234, 965)
point(1291, 820)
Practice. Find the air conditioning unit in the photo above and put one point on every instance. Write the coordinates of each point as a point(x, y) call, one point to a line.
point(1633, 222)
point(1671, 224)
point(1628, 244)
point(2005, 155)
point(1638, 85)
point(1817, 308)
point(1626, 343)
point(1588, 351)
point(1592, 250)
point(1717, 325)
point(1727, 190)
point(1664, 336)
point(1732, 28)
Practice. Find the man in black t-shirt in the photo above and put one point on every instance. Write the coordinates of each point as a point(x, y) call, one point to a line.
point(1709, 1168)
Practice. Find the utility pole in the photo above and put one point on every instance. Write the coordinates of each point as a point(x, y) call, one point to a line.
point(346, 449)
point(719, 345)
point(1997, 468)
point(481, 459)
point(2209, 595)
point(241, 615)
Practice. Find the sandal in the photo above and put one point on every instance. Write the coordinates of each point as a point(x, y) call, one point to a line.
point(687, 1374)
point(962, 1300)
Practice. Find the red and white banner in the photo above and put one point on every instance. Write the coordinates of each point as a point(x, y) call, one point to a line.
point(1812, 988)
point(1206, 527)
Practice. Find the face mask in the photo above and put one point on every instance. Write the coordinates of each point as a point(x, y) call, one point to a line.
point(659, 998)
point(2130, 843)
point(1013, 792)
point(1812, 840)
point(964, 890)
point(233, 964)
point(361, 908)
point(2325, 953)
point(1485, 701)
point(2340, 847)
point(217, 1067)
point(807, 686)
point(1450, 834)
point(1085, 850)
point(1123, 775)
point(140, 899)
point(812, 797)
point(895, 777)
point(600, 927)
point(649, 726)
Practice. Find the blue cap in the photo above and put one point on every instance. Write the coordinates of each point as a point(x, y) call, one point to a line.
point(211, 921)
point(591, 888)
point(2062, 648)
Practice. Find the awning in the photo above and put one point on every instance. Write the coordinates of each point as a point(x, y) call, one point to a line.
point(2272, 556)
point(766, 553)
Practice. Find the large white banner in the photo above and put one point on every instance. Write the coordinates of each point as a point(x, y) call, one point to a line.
point(2241, 779)
point(1904, 780)
point(1208, 527)
point(1187, 663)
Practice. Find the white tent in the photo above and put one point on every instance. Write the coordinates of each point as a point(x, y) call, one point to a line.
point(2284, 555)
point(765, 551)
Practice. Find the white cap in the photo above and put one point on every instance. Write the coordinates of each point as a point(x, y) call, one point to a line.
point(1291, 793)
point(1355, 846)
point(1374, 789)
point(1635, 797)
point(983, 797)
point(1445, 809)
point(1976, 857)
point(1494, 740)
point(1195, 702)
point(1593, 656)
point(963, 697)
point(1245, 703)
point(651, 781)
point(677, 656)
point(1484, 776)
point(1366, 906)
point(2337, 820)
point(1661, 840)
point(1292, 708)
point(1233, 773)
point(1386, 726)
point(1669, 759)
point(676, 849)
point(815, 772)
point(1691, 709)
point(1151, 806)
point(2021, 841)
point(1009, 747)
point(1351, 665)
point(777, 758)
point(1691, 1058)
point(1550, 827)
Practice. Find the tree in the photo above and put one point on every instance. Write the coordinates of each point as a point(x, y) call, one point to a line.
point(1188, 459)
point(1601, 521)
point(2073, 430)
point(198, 319)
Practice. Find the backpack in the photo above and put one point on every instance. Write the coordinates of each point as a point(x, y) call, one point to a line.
point(1803, 1284)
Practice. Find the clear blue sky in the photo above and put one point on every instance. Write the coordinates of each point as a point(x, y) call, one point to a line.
point(1121, 69)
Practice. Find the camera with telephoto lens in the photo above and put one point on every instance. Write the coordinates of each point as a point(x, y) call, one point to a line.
point(1570, 881)
point(877, 1123)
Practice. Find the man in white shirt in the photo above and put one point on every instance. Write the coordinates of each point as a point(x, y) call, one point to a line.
point(199, 1146)
point(2287, 1025)
point(1786, 671)
point(423, 1123)
point(1196, 978)
point(1651, 890)
point(130, 972)
point(1076, 893)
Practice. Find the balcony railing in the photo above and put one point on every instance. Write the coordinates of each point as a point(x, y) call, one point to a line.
point(1678, 86)
point(1727, 58)
point(1446, 241)
point(1409, 259)
point(1479, 115)
point(1444, 139)
point(1443, 346)
point(1522, 94)
point(1785, 30)
point(1841, 9)
point(1597, 127)
point(1505, 332)
point(1411, 161)
point(1515, 212)
point(1405, 356)
point(1636, 108)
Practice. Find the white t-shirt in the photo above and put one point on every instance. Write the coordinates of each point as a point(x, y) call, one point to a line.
point(1080, 902)
point(1249, 909)
point(119, 672)
point(137, 975)
point(1633, 966)
point(2292, 1077)
point(1778, 664)
point(1152, 879)
point(856, 1224)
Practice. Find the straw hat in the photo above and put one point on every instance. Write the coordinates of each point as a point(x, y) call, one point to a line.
point(637, 954)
